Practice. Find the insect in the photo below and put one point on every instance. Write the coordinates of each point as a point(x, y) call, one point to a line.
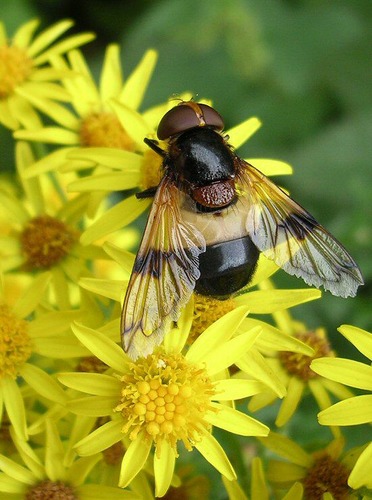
point(212, 215)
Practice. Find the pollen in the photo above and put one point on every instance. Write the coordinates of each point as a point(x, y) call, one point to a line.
point(51, 489)
point(165, 398)
point(151, 169)
point(299, 364)
point(207, 310)
point(15, 68)
point(15, 343)
point(327, 475)
point(45, 241)
point(104, 130)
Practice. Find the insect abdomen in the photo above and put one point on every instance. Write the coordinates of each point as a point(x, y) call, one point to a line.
point(226, 267)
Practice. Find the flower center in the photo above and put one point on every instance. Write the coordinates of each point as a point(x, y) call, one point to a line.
point(207, 310)
point(51, 490)
point(104, 130)
point(151, 169)
point(299, 364)
point(15, 67)
point(15, 343)
point(45, 241)
point(326, 475)
point(166, 398)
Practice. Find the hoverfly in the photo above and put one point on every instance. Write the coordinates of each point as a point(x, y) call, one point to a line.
point(212, 215)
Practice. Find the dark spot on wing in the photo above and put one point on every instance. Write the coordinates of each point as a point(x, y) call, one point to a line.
point(300, 224)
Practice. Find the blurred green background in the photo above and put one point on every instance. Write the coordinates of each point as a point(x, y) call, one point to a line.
point(303, 67)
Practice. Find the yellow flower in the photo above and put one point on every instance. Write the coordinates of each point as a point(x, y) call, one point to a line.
point(40, 231)
point(322, 472)
point(45, 474)
point(94, 133)
point(166, 398)
point(354, 410)
point(25, 72)
point(22, 338)
point(291, 368)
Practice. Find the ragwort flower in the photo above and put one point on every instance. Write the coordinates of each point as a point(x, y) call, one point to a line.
point(323, 473)
point(166, 399)
point(26, 74)
point(21, 338)
point(95, 135)
point(355, 410)
point(293, 369)
point(40, 231)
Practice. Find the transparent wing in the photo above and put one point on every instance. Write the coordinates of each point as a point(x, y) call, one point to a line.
point(164, 273)
point(287, 234)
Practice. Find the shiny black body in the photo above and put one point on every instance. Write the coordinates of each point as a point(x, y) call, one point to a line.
point(226, 267)
point(200, 156)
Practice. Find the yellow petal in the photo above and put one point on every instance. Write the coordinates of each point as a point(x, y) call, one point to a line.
point(361, 475)
point(134, 460)
point(284, 447)
point(235, 421)
point(31, 297)
point(220, 331)
point(11, 396)
point(273, 339)
point(257, 367)
point(49, 163)
point(269, 301)
point(265, 269)
point(231, 389)
point(107, 288)
point(52, 135)
point(213, 452)
point(24, 33)
point(97, 384)
point(16, 471)
point(102, 347)
point(111, 75)
point(117, 159)
point(136, 84)
point(93, 406)
point(120, 215)
point(319, 392)
point(163, 469)
point(114, 181)
point(360, 338)
point(291, 401)
point(42, 383)
point(101, 439)
point(234, 490)
point(259, 490)
point(239, 134)
point(229, 352)
point(64, 46)
point(283, 473)
point(176, 338)
point(271, 167)
point(352, 411)
point(133, 123)
point(345, 371)
point(48, 36)
point(295, 493)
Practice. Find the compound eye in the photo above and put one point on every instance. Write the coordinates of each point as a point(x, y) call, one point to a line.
point(188, 115)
